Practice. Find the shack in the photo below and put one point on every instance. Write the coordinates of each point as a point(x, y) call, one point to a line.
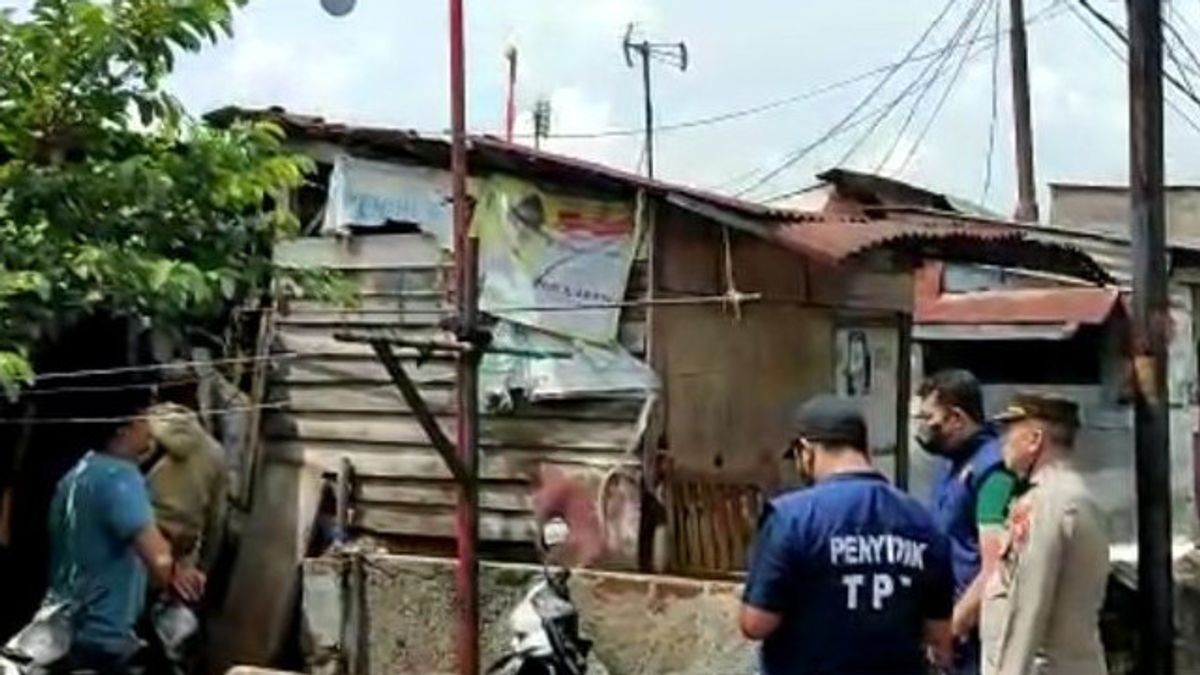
point(1020, 330)
point(691, 331)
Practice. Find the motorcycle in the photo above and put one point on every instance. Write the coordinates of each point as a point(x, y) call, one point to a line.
point(545, 624)
point(43, 646)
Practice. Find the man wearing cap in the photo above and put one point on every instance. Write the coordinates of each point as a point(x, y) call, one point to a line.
point(851, 575)
point(1041, 609)
point(970, 496)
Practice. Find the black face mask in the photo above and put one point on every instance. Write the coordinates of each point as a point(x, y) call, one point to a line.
point(932, 440)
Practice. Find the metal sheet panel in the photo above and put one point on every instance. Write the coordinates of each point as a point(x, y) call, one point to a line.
point(994, 331)
point(338, 402)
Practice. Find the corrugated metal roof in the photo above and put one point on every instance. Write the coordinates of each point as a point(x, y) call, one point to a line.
point(832, 240)
point(837, 239)
point(1111, 253)
point(486, 154)
point(1089, 306)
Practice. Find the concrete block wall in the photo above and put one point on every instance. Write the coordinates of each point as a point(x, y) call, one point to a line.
point(400, 611)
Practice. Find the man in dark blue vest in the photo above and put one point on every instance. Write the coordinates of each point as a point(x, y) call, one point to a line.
point(849, 576)
point(970, 498)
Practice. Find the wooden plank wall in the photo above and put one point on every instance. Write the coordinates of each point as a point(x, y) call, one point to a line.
point(341, 403)
point(729, 380)
point(732, 380)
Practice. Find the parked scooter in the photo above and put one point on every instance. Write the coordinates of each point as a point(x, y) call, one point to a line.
point(41, 646)
point(545, 624)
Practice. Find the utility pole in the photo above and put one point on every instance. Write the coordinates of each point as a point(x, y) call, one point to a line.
point(1151, 320)
point(461, 457)
point(673, 53)
point(466, 268)
point(510, 98)
point(1027, 207)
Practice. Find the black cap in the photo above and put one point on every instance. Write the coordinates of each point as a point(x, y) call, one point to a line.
point(829, 419)
point(1043, 407)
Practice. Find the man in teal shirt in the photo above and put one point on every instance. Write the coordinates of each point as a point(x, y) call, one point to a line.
point(971, 494)
point(103, 543)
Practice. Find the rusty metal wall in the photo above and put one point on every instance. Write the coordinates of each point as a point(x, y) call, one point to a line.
point(340, 403)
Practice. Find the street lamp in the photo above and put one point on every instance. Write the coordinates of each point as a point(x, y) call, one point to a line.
point(338, 7)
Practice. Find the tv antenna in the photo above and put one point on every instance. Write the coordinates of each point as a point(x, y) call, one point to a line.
point(674, 54)
point(541, 121)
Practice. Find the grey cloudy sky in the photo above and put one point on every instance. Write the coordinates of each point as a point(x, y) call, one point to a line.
point(386, 64)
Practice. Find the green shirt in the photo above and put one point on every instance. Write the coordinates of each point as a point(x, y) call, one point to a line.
point(995, 495)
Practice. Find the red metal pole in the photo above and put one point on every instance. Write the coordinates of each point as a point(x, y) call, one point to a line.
point(467, 294)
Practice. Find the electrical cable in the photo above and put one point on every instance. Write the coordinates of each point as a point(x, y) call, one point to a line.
point(937, 110)
point(959, 35)
point(799, 154)
point(1120, 35)
point(1182, 42)
point(1052, 10)
point(1124, 58)
point(794, 191)
point(130, 418)
point(157, 367)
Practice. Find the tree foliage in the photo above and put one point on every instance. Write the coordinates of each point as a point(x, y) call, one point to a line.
point(111, 198)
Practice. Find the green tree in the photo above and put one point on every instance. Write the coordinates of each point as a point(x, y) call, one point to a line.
point(112, 199)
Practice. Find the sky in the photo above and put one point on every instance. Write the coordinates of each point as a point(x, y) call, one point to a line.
point(386, 64)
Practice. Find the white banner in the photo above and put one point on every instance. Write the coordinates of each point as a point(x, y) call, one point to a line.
point(365, 193)
point(547, 260)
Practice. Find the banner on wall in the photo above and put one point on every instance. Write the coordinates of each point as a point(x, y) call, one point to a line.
point(868, 360)
point(365, 194)
point(547, 260)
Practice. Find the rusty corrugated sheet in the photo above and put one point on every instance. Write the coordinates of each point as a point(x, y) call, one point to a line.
point(936, 234)
point(834, 240)
point(1088, 306)
point(486, 154)
point(1009, 306)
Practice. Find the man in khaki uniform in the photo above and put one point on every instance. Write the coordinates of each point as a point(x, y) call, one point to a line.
point(1041, 609)
point(188, 484)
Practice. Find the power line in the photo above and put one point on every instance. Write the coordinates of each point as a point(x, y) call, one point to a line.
point(1124, 58)
point(962, 32)
point(158, 367)
point(937, 110)
point(1120, 35)
point(130, 418)
point(794, 191)
point(797, 155)
point(832, 134)
point(718, 118)
point(1182, 42)
point(955, 44)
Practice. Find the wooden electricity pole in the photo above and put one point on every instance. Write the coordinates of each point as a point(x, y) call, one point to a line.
point(1027, 207)
point(1151, 320)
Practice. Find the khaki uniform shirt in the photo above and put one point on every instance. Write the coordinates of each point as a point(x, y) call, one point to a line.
point(1041, 610)
point(188, 486)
